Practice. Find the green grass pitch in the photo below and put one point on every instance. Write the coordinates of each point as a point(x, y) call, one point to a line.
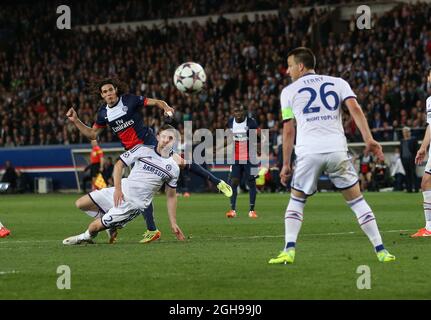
point(222, 258)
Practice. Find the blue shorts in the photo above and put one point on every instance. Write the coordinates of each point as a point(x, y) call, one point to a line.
point(238, 169)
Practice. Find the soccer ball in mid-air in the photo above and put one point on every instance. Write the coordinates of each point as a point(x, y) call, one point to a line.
point(190, 77)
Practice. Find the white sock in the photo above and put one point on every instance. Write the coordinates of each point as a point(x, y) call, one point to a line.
point(1, 226)
point(293, 221)
point(94, 214)
point(427, 209)
point(85, 236)
point(366, 220)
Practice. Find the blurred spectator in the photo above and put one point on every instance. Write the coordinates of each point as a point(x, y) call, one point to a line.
point(408, 148)
point(366, 165)
point(10, 176)
point(397, 171)
point(381, 175)
point(108, 169)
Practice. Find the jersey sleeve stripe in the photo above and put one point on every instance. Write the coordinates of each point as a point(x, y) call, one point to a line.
point(123, 161)
point(349, 97)
point(145, 102)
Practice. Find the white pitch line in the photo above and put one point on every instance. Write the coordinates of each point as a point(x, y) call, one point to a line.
point(227, 237)
point(8, 272)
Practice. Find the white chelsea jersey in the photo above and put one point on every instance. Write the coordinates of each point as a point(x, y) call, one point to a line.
point(148, 175)
point(315, 102)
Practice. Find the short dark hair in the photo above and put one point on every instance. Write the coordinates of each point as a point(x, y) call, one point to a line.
point(239, 106)
point(305, 56)
point(165, 127)
point(120, 85)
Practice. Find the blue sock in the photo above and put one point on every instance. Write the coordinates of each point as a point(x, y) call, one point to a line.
point(290, 245)
point(202, 172)
point(379, 248)
point(233, 198)
point(252, 192)
point(149, 218)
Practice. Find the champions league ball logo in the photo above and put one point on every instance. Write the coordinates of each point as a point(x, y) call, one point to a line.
point(124, 109)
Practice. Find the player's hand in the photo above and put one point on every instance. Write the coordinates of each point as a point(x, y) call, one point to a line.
point(72, 115)
point(375, 148)
point(178, 233)
point(420, 156)
point(169, 111)
point(118, 197)
point(285, 173)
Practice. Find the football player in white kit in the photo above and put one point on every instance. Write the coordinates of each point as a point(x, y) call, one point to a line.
point(314, 101)
point(152, 168)
point(426, 178)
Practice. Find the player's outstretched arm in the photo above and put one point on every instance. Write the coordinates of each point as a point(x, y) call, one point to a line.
point(117, 175)
point(420, 155)
point(288, 141)
point(171, 195)
point(360, 120)
point(161, 105)
point(90, 133)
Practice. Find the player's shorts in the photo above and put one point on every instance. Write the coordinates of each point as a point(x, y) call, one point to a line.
point(114, 217)
point(308, 169)
point(250, 170)
point(103, 198)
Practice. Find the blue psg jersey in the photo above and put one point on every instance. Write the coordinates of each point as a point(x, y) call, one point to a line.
point(125, 120)
point(241, 136)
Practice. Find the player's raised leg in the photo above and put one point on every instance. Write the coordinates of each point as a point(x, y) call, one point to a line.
point(367, 221)
point(204, 173)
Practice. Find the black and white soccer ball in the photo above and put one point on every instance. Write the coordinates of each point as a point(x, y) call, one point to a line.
point(190, 77)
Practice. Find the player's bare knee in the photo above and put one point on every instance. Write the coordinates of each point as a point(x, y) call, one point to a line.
point(82, 203)
point(426, 182)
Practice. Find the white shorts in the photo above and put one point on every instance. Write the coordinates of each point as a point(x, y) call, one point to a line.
point(308, 169)
point(114, 217)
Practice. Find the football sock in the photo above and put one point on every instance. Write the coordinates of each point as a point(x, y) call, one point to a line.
point(233, 198)
point(293, 220)
point(367, 221)
point(1, 226)
point(149, 217)
point(427, 209)
point(252, 192)
point(86, 235)
point(202, 172)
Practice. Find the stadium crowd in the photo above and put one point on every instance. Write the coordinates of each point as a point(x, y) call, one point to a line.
point(46, 70)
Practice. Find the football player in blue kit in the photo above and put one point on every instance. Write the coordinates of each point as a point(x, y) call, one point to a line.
point(122, 113)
